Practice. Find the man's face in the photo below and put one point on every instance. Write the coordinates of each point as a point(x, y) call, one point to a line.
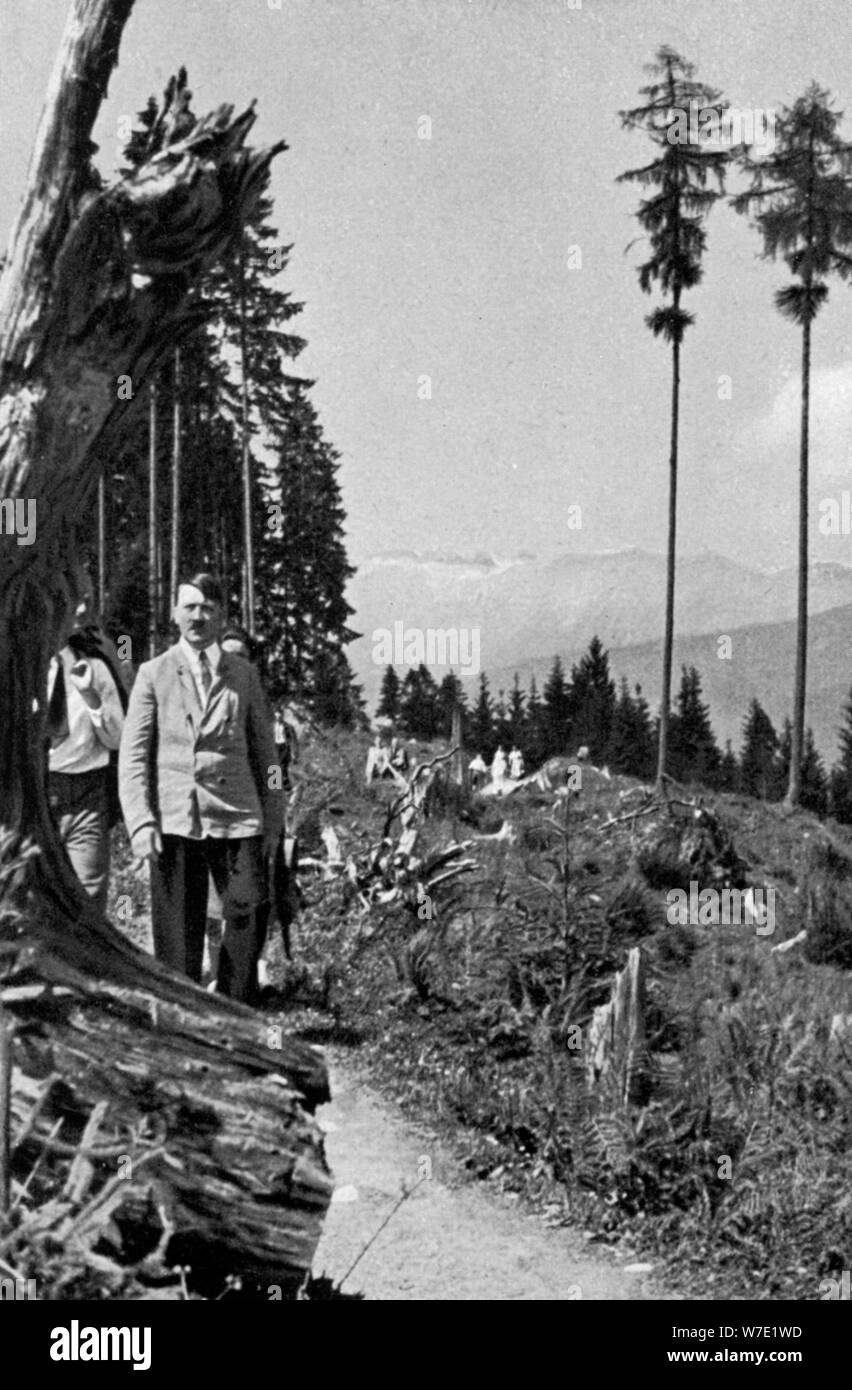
point(196, 617)
point(233, 644)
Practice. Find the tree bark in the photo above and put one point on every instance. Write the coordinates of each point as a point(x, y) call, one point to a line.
point(102, 565)
point(668, 639)
point(96, 286)
point(153, 584)
point(248, 520)
point(797, 735)
point(616, 1041)
point(456, 741)
point(176, 451)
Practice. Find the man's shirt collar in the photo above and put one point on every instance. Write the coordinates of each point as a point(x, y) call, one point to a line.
point(214, 653)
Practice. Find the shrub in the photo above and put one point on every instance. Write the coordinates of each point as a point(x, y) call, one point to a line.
point(630, 914)
point(661, 865)
point(829, 906)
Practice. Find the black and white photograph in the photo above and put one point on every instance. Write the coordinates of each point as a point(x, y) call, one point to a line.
point(425, 670)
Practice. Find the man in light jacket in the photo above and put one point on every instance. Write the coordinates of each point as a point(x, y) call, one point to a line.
point(200, 791)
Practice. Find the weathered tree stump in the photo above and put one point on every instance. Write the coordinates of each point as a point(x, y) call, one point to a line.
point(616, 1043)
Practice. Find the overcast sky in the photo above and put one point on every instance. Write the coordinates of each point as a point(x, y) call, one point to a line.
point(451, 256)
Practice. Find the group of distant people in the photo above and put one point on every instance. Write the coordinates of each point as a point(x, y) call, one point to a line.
point(386, 760)
point(500, 765)
point(191, 757)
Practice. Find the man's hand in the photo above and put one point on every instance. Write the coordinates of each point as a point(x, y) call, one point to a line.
point(147, 843)
point(83, 677)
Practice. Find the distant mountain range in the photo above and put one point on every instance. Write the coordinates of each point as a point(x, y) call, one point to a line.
point(527, 610)
point(761, 666)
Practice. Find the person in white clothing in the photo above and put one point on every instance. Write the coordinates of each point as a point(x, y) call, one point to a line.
point(498, 770)
point(477, 771)
point(85, 720)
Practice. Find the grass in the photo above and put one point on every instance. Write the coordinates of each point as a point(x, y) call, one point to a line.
point(734, 1165)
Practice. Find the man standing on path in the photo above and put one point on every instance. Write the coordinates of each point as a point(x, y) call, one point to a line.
point(200, 791)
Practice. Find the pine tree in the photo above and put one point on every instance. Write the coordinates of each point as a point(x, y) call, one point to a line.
point(728, 779)
point(673, 218)
point(389, 695)
point(647, 734)
point(335, 699)
point(303, 581)
point(814, 784)
point(517, 715)
point(803, 196)
point(631, 748)
point(252, 311)
point(591, 703)
point(557, 709)
point(761, 763)
point(450, 696)
point(694, 753)
point(534, 736)
point(841, 774)
point(813, 779)
point(621, 740)
point(482, 733)
point(419, 717)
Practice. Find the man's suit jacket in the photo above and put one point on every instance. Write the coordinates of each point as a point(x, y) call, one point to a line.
point(195, 773)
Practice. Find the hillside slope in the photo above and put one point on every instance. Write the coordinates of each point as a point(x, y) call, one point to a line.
point(473, 1011)
point(761, 666)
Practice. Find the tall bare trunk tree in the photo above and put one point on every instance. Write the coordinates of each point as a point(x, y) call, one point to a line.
point(153, 542)
point(801, 195)
point(102, 564)
point(673, 218)
point(245, 429)
point(176, 460)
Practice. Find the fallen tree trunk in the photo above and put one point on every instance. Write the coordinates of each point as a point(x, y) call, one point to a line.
point(195, 1159)
point(97, 288)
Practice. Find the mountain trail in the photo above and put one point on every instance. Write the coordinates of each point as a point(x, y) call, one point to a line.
point(452, 1238)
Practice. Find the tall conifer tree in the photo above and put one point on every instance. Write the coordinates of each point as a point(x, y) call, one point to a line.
point(673, 218)
point(801, 198)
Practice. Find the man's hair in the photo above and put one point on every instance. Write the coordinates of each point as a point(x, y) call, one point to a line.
point(206, 584)
point(239, 634)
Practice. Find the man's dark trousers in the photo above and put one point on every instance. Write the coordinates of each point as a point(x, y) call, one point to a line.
point(179, 907)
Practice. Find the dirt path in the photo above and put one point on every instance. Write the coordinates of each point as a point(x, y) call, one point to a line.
point(452, 1239)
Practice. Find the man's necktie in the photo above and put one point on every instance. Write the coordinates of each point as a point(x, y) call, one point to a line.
point(206, 677)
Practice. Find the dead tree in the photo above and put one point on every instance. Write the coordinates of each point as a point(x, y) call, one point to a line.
point(97, 287)
point(616, 1042)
